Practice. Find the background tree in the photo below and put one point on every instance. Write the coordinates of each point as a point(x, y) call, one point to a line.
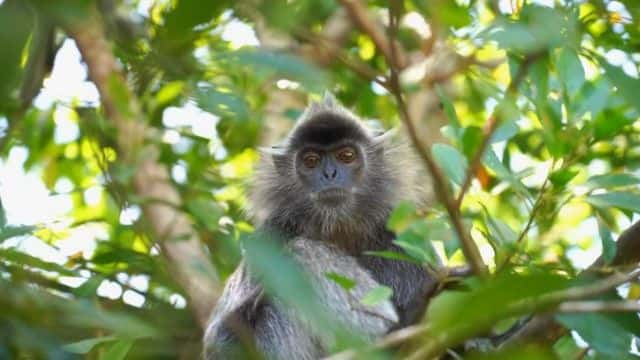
point(524, 113)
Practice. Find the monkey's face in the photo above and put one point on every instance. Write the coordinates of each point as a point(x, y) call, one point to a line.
point(330, 173)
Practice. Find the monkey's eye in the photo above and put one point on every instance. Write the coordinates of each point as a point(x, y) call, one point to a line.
point(311, 159)
point(346, 155)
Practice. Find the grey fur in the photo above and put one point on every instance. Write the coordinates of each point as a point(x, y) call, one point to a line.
point(325, 239)
point(279, 332)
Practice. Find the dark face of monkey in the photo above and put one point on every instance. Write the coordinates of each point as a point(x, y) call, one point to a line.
point(329, 162)
point(332, 180)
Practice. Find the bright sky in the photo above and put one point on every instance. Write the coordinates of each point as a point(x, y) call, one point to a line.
point(27, 201)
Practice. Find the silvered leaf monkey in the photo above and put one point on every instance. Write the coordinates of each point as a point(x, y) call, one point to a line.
point(327, 191)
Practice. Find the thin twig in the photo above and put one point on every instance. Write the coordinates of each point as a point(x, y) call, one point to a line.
point(598, 306)
point(543, 328)
point(358, 12)
point(541, 304)
point(469, 248)
point(392, 339)
point(359, 67)
point(491, 125)
point(532, 215)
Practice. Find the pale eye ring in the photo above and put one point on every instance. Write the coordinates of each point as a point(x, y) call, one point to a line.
point(346, 155)
point(311, 159)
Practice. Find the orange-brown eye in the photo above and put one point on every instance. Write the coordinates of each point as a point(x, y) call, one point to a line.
point(346, 155)
point(311, 159)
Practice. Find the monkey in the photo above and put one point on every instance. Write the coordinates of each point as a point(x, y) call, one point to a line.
point(327, 192)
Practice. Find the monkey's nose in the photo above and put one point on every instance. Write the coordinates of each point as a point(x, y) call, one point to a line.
point(330, 174)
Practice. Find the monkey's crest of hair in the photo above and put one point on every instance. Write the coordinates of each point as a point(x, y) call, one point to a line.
point(279, 201)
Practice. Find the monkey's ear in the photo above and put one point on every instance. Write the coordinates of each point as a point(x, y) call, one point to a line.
point(384, 139)
point(278, 157)
point(328, 100)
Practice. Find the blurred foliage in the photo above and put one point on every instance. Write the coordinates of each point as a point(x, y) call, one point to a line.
point(557, 183)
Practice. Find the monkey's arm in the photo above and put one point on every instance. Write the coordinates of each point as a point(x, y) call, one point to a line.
point(412, 285)
point(281, 333)
point(230, 321)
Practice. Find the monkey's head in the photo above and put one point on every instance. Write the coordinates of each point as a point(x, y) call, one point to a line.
point(331, 178)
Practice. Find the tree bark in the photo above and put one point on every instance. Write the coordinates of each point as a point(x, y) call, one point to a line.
point(168, 226)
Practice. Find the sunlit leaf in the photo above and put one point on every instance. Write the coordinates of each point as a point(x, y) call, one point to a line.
point(402, 216)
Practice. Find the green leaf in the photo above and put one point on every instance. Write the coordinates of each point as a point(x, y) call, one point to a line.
point(20, 258)
point(471, 140)
point(471, 309)
point(505, 131)
point(451, 161)
point(3, 218)
point(222, 103)
point(453, 14)
point(602, 331)
point(449, 110)
point(344, 282)
point(593, 97)
point(609, 123)
point(13, 231)
point(16, 26)
point(376, 295)
point(608, 244)
point(561, 177)
point(414, 242)
point(608, 181)
point(402, 216)
point(570, 70)
point(169, 92)
point(628, 87)
point(621, 200)
point(207, 212)
point(282, 65)
point(423, 254)
point(501, 232)
point(492, 162)
point(118, 350)
point(392, 255)
point(84, 346)
point(522, 352)
point(89, 287)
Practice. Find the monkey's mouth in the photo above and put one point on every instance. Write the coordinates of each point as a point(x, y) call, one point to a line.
point(332, 196)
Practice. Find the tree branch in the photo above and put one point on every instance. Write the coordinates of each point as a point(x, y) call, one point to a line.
point(598, 306)
point(469, 248)
point(359, 13)
point(181, 246)
point(543, 328)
